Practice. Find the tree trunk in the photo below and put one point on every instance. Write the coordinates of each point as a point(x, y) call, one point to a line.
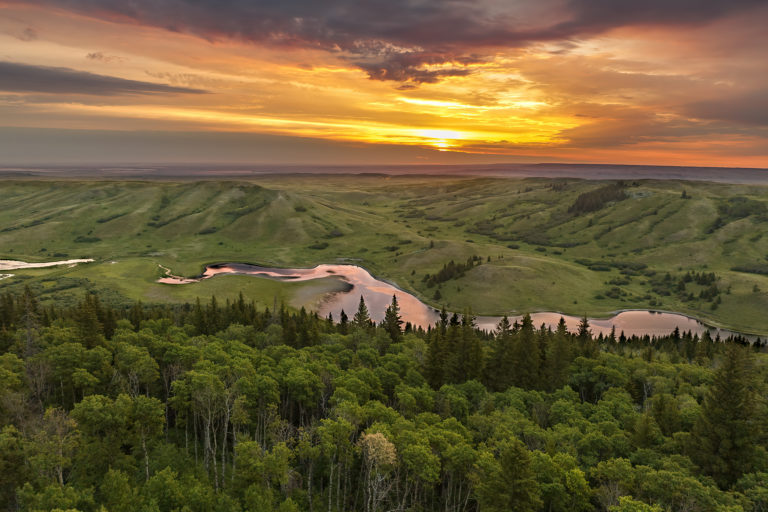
point(338, 487)
point(194, 422)
point(309, 486)
point(146, 455)
point(207, 443)
point(330, 484)
point(234, 453)
point(224, 443)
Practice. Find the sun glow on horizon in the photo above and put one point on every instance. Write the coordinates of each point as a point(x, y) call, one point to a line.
point(592, 97)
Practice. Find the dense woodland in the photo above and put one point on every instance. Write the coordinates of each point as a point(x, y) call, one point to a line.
point(225, 407)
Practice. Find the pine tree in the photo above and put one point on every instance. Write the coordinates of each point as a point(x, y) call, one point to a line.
point(30, 319)
point(343, 323)
point(507, 482)
point(443, 323)
point(198, 318)
point(559, 357)
point(214, 316)
point(727, 431)
point(471, 349)
point(526, 356)
point(393, 321)
point(588, 345)
point(434, 366)
point(453, 368)
point(362, 320)
point(136, 315)
point(109, 323)
point(500, 363)
point(89, 328)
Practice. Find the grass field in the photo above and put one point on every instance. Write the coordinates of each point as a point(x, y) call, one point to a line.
point(542, 257)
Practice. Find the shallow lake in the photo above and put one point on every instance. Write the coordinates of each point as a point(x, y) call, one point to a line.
point(19, 265)
point(378, 295)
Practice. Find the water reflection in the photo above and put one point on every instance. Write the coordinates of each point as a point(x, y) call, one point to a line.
point(378, 295)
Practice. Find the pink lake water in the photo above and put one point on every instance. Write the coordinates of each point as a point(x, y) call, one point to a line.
point(378, 295)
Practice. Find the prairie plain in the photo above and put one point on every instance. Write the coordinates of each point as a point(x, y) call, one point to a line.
point(569, 245)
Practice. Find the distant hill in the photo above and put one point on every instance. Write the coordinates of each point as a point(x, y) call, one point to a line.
point(733, 175)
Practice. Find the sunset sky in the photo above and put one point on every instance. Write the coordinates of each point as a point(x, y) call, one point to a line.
point(675, 82)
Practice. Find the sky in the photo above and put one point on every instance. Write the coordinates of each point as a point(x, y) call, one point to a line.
point(652, 82)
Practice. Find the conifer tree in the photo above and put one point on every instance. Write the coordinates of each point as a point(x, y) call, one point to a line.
point(436, 356)
point(559, 357)
point(343, 323)
point(589, 347)
point(443, 323)
point(453, 367)
point(198, 318)
point(500, 363)
point(526, 356)
point(471, 352)
point(727, 430)
point(137, 314)
point(213, 317)
point(508, 482)
point(392, 321)
point(88, 326)
point(30, 319)
point(362, 320)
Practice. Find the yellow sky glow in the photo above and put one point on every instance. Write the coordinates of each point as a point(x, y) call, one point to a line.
point(605, 97)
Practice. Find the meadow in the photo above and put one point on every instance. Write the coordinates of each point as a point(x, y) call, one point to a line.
point(575, 246)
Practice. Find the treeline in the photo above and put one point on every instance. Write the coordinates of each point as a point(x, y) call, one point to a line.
point(736, 208)
point(595, 199)
point(451, 270)
point(225, 407)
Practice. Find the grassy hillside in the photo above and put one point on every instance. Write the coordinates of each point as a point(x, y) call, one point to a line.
point(568, 245)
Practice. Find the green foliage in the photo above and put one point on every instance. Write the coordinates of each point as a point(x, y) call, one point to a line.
point(598, 198)
point(226, 407)
point(277, 218)
point(728, 429)
point(451, 270)
point(505, 480)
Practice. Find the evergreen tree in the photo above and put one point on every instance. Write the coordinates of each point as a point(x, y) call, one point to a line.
point(392, 321)
point(137, 314)
point(362, 320)
point(526, 356)
point(198, 318)
point(434, 367)
point(443, 323)
point(589, 347)
point(507, 482)
point(30, 319)
point(500, 366)
point(213, 316)
point(726, 432)
point(559, 357)
point(343, 323)
point(89, 328)
point(471, 351)
point(453, 369)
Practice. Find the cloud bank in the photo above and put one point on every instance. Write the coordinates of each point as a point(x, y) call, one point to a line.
point(15, 77)
point(403, 40)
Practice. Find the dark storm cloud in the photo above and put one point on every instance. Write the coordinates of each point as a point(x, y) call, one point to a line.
point(16, 77)
point(395, 39)
point(599, 15)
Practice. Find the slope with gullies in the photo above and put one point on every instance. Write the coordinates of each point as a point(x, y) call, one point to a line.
point(575, 246)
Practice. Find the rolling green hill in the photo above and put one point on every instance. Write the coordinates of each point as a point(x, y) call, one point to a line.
point(567, 245)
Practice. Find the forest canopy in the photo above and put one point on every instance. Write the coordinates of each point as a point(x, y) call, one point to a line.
point(220, 406)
